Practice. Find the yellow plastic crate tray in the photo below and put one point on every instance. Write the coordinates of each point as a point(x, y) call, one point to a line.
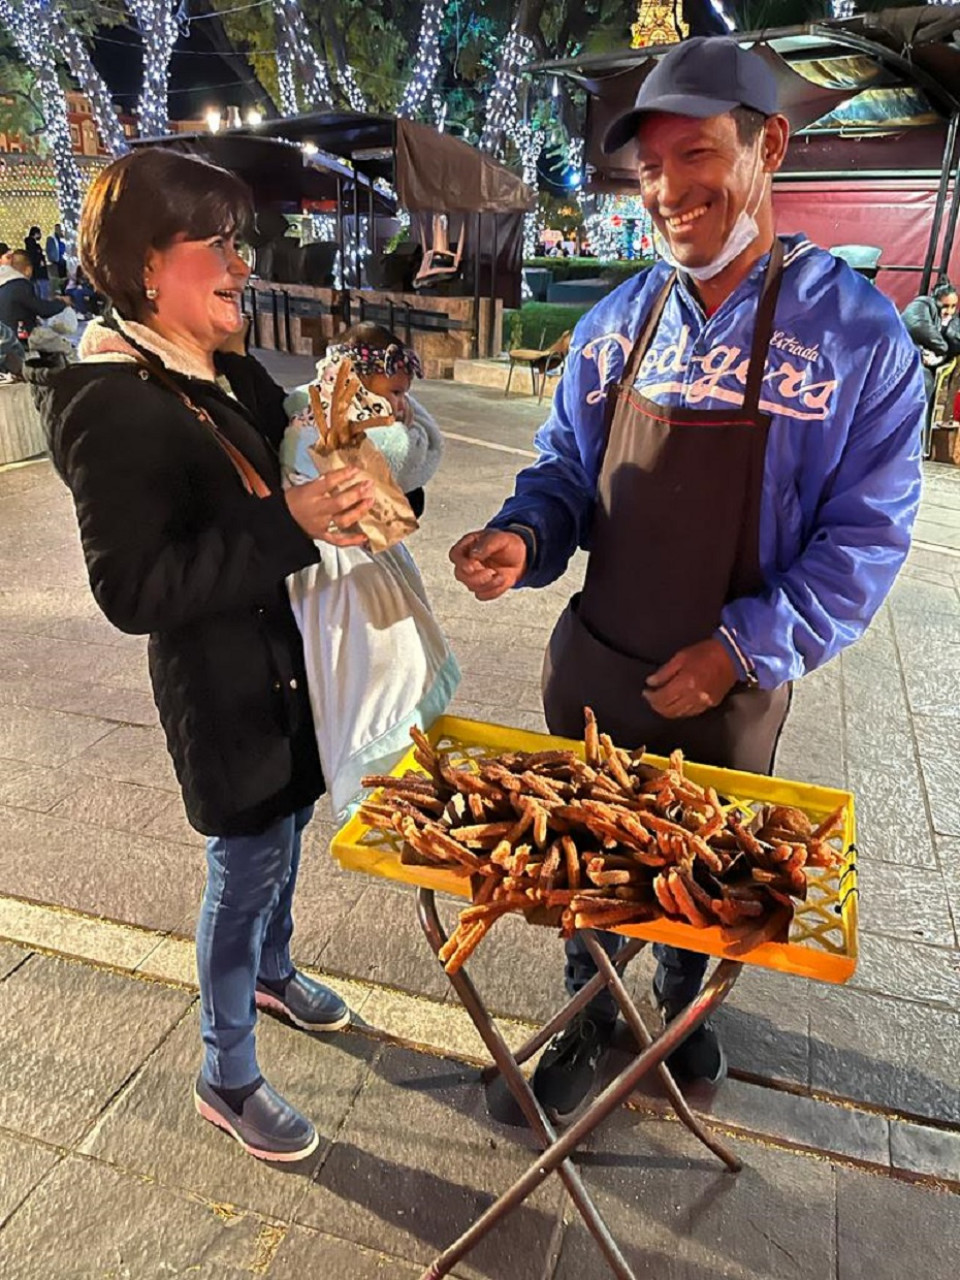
point(821, 941)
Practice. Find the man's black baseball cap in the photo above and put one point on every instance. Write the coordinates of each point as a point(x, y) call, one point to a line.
point(703, 76)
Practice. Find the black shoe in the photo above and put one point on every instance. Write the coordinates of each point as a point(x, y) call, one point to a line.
point(306, 1002)
point(699, 1057)
point(567, 1071)
point(266, 1125)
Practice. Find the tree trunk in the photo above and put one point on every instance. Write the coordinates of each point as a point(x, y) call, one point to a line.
point(73, 51)
point(337, 52)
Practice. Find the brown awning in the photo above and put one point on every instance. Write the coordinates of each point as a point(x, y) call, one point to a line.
point(436, 172)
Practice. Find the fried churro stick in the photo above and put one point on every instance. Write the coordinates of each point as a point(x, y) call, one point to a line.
point(626, 913)
point(468, 945)
point(666, 899)
point(615, 764)
point(684, 900)
point(830, 824)
point(591, 739)
point(571, 858)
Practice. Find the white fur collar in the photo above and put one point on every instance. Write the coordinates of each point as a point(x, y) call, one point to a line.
point(103, 342)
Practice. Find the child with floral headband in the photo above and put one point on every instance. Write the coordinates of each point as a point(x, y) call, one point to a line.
point(414, 444)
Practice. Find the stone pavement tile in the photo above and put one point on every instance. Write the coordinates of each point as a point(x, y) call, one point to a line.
point(905, 902)
point(938, 739)
point(913, 595)
point(518, 970)
point(436, 1028)
point(380, 941)
point(11, 957)
point(171, 824)
point(116, 806)
point(412, 1185)
point(89, 1221)
point(908, 970)
point(764, 1025)
point(499, 713)
point(948, 856)
point(132, 754)
point(100, 701)
point(886, 1052)
point(305, 1253)
point(921, 1149)
point(892, 822)
point(22, 1165)
point(71, 1036)
point(799, 1121)
point(68, 933)
point(153, 1129)
point(35, 736)
point(930, 650)
point(44, 657)
point(37, 787)
point(104, 873)
point(679, 1215)
point(887, 1228)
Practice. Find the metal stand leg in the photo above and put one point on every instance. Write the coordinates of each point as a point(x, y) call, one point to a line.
point(712, 995)
point(470, 999)
point(644, 1038)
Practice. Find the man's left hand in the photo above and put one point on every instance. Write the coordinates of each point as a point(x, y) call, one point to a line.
point(694, 680)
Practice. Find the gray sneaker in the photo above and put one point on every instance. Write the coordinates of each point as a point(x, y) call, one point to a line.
point(266, 1125)
point(308, 1004)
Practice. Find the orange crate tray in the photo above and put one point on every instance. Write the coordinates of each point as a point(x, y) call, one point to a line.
point(821, 941)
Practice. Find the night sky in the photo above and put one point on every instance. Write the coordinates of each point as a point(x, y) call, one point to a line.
point(198, 78)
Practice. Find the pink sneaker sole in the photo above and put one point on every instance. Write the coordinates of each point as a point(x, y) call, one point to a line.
point(278, 1157)
point(265, 1000)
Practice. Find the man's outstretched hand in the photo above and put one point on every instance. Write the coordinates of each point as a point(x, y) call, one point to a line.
point(489, 562)
point(694, 680)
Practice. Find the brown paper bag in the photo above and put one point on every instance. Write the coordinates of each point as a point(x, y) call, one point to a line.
point(342, 442)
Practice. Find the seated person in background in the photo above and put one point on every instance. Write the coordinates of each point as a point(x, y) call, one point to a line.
point(11, 354)
point(20, 308)
point(81, 295)
point(4, 254)
point(934, 326)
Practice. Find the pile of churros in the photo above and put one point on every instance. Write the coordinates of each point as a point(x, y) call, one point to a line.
point(595, 843)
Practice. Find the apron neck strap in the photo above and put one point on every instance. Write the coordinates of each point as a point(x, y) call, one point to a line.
point(763, 329)
point(632, 367)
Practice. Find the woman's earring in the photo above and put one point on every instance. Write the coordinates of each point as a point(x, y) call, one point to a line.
point(152, 293)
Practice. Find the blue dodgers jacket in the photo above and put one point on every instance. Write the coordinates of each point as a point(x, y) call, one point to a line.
point(844, 389)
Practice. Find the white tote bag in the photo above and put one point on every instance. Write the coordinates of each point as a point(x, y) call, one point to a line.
point(377, 661)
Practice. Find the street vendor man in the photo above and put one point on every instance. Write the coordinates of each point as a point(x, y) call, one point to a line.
point(735, 442)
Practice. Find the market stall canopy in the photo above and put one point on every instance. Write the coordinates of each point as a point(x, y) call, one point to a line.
point(279, 171)
point(898, 67)
point(430, 170)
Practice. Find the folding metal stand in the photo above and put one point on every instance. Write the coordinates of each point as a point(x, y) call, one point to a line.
point(556, 1156)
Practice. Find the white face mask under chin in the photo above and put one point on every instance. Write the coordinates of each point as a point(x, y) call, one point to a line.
point(742, 235)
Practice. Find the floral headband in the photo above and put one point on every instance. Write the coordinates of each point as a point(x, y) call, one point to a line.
point(389, 360)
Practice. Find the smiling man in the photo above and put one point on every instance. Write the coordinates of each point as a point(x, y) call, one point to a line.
point(735, 441)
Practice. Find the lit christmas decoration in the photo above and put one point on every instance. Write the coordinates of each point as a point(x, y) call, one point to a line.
point(427, 62)
point(503, 105)
point(439, 111)
point(74, 52)
point(157, 23)
point(617, 227)
point(348, 82)
point(28, 24)
point(305, 69)
point(843, 8)
point(529, 139)
point(658, 22)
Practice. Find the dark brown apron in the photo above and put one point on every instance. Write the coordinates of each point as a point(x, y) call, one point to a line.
point(675, 537)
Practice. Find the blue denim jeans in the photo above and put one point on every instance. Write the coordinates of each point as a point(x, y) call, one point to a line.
point(677, 980)
point(243, 934)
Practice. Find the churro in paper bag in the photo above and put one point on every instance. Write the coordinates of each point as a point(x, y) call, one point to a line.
point(342, 417)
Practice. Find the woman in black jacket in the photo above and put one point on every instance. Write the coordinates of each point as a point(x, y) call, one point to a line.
point(169, 449)
point(934, 326)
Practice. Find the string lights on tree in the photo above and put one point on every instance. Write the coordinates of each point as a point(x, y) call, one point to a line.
point(348, 83)
point(159, 28)
point(529, 139)
point(28, 24)
point(427, 62)
point(306, 70)
point(74, 52)
point(503, 105)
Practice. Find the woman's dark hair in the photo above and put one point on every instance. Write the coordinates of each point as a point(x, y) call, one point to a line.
point(943, 290)
point(368, 335)
point(146, 200)
point(4, 248)
point(33, 233)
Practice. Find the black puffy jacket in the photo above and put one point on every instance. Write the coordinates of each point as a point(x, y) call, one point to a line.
point(175, 547)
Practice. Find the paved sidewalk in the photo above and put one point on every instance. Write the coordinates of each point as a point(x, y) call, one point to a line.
point(104, 1171)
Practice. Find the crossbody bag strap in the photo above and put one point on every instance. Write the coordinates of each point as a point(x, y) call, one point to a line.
point(250, 477)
